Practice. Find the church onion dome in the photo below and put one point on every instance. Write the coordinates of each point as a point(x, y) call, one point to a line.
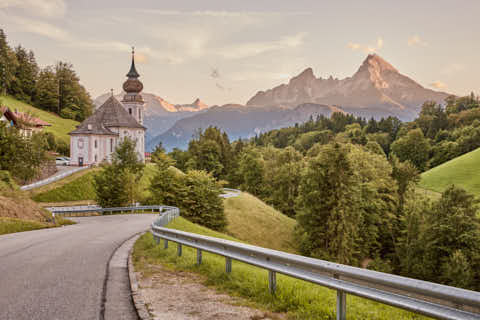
point(133, 85)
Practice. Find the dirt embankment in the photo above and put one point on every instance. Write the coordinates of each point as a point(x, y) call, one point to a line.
point(21, 208)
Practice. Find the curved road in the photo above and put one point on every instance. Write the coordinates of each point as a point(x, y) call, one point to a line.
point(61, 273)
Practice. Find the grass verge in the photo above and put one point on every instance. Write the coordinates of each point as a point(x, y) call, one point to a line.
point(299, 299)
point(12, 225)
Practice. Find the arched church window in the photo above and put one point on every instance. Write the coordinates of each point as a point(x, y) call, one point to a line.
point(130, 111)
point(80, 143)
point(111, 145)
point(96, 145)
point(139, 114)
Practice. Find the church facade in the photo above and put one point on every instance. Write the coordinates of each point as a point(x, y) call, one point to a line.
point(96, 138)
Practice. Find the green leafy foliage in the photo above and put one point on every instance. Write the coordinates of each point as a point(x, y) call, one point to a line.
point(118, 184)
point(21, 157)
point(413, 147)
point(211, 151)
point(196, 193)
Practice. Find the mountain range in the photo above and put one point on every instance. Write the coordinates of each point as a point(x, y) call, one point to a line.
point(376, 90)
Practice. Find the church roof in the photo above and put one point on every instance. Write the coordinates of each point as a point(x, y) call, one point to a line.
point(110, 114)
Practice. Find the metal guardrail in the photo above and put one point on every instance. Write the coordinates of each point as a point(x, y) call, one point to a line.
point(52, 179)
point(230, 193)
point(421, 297)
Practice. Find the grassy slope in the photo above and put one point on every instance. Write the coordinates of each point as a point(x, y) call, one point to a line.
point(79, 186)
point(251, 220)
point(60, 127)
point(463, 171)
point(60, 183)
point(300, 299)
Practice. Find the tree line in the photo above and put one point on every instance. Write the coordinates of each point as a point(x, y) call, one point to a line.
point(350, 185)
point(53, 88)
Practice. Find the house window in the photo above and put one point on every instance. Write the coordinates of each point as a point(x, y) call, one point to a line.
point(111, 145)
point(130, 111)
point(96, 145)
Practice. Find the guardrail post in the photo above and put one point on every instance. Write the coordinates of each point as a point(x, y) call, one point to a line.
point(199, 256)
point(272, 281)
point(179, 249)
point(341, 302)
point(165, 244)
point(341, 305)
point(228, 265)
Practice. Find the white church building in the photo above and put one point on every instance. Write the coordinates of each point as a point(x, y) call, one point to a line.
point(96, 138)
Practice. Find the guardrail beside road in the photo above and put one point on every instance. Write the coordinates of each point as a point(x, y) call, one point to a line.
point(52, 179)
point(421, 297)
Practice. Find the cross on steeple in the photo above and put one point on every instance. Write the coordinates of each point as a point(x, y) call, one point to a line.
point(111, 91)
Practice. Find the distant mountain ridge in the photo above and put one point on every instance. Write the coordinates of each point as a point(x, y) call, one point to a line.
point(376, 87)
point(239, 122)
point(160, 114)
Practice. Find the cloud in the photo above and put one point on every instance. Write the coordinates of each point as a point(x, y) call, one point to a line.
point(415, 40)
point(222, 87)
point(250, 49)
point(452, 68)
point(366, 48)
point(141, 58)
point(251, 75)
point(438, 85)
point(45, 8)
point(379, 43)
point(215, 73)
point(222, 13)
point(35, 26)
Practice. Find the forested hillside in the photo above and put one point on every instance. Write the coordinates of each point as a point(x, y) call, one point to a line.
point(350, 184)
point(52, 88)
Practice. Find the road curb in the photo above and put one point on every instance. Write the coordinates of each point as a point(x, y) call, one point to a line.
point(137, 297)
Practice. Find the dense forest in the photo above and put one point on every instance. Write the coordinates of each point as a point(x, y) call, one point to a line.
point(351, 185)
point(53, 88)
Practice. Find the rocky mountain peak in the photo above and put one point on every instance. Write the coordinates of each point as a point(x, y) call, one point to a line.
point(377, 86)
point(199, 103)
point(305, 76)
point(376, 63)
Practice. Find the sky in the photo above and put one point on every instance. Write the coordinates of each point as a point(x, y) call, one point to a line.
point(224, 51)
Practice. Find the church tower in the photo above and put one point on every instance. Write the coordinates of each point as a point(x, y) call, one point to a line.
point(132, 100)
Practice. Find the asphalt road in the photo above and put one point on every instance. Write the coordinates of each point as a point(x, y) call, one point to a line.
point(61, 273)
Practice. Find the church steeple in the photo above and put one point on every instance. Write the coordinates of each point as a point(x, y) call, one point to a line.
point(133, 71)
point(132, 85)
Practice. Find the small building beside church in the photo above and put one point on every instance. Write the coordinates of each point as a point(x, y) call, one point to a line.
point(96, 138)
point(24, 122)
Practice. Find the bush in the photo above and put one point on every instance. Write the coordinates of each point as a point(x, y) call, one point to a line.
point(200, 201)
